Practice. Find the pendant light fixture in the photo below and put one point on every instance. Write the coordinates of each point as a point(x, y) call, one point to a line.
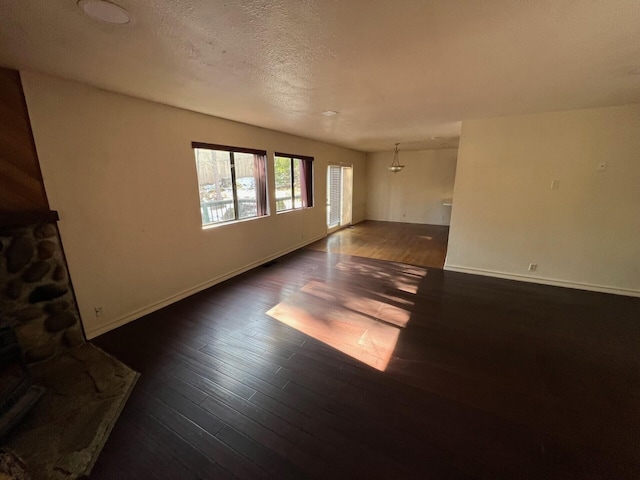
point(395, 167)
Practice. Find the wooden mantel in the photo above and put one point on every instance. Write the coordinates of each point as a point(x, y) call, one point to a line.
point(17, 219)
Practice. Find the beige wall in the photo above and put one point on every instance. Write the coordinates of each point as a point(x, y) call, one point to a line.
point(415, 194)
point(121, 173)
point(585, 233)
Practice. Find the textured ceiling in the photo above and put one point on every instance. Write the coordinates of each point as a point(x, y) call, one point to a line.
point(397, 71)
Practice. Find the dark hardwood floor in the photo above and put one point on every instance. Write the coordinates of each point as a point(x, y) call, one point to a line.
point(488, 378)
point(412, 243)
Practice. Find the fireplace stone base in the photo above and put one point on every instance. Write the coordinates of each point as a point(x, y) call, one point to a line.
point(62, 437)
point(36, 296)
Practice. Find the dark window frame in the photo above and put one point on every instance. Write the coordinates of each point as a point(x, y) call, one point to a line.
point(234, 188)
point(307, 190)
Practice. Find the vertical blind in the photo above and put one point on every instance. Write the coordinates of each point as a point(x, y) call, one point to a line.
point(335, 195)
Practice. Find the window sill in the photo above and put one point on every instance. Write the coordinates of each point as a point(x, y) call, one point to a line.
point(211, 226)
point(293, 210)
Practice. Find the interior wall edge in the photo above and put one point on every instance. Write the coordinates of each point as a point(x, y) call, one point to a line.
point(545, 281)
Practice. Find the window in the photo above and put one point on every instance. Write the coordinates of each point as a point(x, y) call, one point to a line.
point(294, 182)
point(232, 183)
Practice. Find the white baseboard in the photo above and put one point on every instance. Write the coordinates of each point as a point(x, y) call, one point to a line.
point(545, 281)
point(186, 293)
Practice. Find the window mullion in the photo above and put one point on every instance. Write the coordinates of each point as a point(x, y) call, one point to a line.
point(234, 187)
point(293, 180)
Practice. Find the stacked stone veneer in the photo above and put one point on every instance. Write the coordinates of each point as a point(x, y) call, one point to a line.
point(36, 298)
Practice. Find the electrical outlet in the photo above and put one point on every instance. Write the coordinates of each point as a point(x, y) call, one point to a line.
point(98, 311)
point(533, 267)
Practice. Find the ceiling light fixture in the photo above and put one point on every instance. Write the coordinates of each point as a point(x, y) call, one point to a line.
point(106, 12)
point(395, 166)
point(329, 113)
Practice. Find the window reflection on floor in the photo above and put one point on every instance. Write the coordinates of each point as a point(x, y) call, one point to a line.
point(357, 302)
point(367, 340)
point(360, 322)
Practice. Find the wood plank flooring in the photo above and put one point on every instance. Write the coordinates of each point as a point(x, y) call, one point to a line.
point(411, 243)
point(489, 379)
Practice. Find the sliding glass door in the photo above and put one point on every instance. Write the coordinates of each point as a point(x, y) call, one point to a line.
point(339, 194)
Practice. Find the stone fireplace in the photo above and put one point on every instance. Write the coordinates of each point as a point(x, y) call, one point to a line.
point(59, 395)
point(38, 314)
point(36, 296)
point(73, 392)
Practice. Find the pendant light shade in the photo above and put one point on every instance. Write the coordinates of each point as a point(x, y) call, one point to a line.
point(395, 167)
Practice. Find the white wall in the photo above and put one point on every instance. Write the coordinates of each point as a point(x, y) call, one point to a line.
point(584, 234)
point(415, 194)
point(121, 173)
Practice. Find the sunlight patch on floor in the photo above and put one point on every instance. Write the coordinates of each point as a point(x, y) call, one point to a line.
point(367, 340)
point(359, 302)
point(358, 321)
point(405, 278)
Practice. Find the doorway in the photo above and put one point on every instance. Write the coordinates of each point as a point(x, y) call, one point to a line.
point(339, 196)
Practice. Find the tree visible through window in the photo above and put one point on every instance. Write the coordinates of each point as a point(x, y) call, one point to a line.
point(294, 181)
point(232, 182)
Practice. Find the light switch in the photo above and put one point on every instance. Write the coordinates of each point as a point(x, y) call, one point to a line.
point(555, 184)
